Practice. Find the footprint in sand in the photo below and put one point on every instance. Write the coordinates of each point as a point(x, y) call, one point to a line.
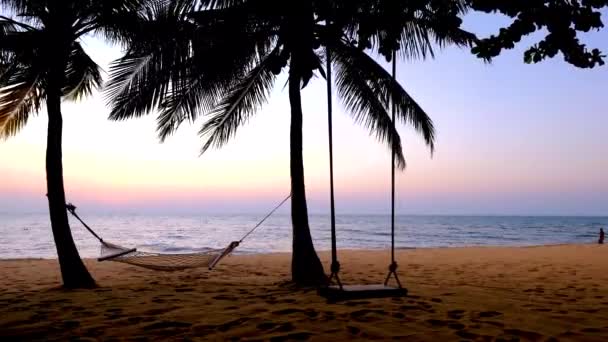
point(528, 335)
point(266, 325)
point(155, 312)
point(456, 326)
point(467, 335)
point(366, 315)
point(93, 332)
point(488, 314)
point(425, 305)
point(70, 324)
point(167, 324)
point(37, 318)
point(356, 303)
point(299, 336)
point(285, 327)
point(139, 319)
point(224, 297)
point(588, 310)
point(537, 290)
point(286, 312)
point(493, 323)
point(437, 322)
point(310, 313)
point(353, 330)
point(229, 325)
point(456, 314)
point(398, 315)
point(409, 307)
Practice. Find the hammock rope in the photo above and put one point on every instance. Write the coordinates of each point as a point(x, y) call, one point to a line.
point(167, 262)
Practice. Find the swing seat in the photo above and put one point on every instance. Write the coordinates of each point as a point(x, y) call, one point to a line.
point(336, 293)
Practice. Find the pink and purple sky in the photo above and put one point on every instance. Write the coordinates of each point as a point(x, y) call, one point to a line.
point(513, 139)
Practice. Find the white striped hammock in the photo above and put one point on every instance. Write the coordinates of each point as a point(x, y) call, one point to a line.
point(162, 261)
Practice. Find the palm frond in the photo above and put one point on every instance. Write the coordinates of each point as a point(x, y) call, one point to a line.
point(212, 72)
point(17, 6)
point(17, 41)
point(137, 85)
point(185, 101)
point(216, 63)
point(82, 75)
point(219, 4)
point(364, 104)
point(239, 104)
point(415, 41)
point(6, 26)
point(388, 91)
point(415, 29)
point(157, 64)
point(20, 96)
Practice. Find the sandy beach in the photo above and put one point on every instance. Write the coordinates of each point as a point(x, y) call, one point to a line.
point(552, 293)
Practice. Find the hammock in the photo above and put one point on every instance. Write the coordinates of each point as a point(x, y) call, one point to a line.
point(164, 262)
point(161, 261)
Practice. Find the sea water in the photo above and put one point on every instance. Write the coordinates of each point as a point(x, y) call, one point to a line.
point(29, 235)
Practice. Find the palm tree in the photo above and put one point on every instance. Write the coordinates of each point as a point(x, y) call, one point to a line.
point(42, 62)
point(222, 59)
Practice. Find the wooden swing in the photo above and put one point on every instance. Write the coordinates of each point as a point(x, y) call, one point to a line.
point(338, 291)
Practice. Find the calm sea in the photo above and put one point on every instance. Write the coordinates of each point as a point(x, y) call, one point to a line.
point(29, 235)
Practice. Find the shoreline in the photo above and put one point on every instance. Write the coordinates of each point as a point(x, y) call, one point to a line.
point(322, 251)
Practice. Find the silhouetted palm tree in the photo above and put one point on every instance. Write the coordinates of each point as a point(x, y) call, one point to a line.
point(221, 60)
point(42, 63)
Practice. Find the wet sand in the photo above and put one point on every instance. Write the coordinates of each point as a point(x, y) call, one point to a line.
point(552, 293)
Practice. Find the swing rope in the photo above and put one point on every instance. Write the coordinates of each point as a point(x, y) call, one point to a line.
point(392, 268)
point(335, 265)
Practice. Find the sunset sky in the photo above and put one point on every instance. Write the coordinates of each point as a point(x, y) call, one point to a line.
point(512, 139)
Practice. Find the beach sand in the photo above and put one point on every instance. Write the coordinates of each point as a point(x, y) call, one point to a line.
point(552, 293)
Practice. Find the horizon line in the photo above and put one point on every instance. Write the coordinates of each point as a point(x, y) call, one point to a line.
point(317, 213)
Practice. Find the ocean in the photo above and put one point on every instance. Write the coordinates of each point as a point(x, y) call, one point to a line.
point(29, 235)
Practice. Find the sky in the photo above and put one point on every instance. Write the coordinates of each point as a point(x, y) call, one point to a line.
point(512, 139)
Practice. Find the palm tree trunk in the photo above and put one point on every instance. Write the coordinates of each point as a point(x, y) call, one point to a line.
point(306, 268)
point(73, 271)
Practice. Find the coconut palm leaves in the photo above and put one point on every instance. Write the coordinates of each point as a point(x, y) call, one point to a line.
point(356, 65)
point(25, 48)
point(181, 67)
point(239, 104)
point(229, 52)
point(413, 28)
point(23, 76)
